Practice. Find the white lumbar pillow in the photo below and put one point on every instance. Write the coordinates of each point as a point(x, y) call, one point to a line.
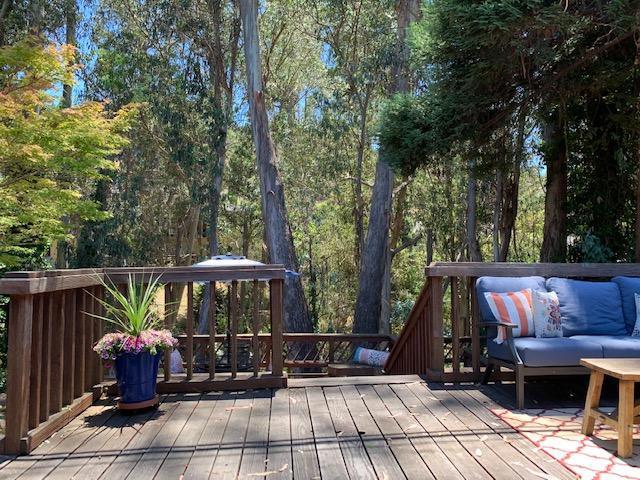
point(546, 314)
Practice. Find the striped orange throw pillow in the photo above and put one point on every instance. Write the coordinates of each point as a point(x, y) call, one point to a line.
point(512, 307)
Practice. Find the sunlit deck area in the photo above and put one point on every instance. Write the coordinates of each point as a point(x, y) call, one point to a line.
point(386, 427)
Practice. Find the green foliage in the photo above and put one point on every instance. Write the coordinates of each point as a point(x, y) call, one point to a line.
point(132, 312)
point(48, 155)
point(483, 65)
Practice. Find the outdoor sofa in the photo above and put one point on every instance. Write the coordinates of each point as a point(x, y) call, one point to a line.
point(597, 319)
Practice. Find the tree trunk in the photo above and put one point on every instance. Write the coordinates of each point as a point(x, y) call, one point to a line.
point(71, 14)
point(357, 188)
point(511, 191)
point(372, 270)
point(5, 9)
point(637, 230)
point(278, 235)
point(497, 208)
point(384, 325)
point(222, 80)
point(62, 246)
point(475, 255)
point(375, 256)
point(554, 242)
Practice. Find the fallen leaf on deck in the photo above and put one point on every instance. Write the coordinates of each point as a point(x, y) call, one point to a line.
point(269, 472)
point(542, 475)
point(238, 408)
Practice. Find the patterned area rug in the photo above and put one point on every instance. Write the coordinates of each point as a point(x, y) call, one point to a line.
point(557, 432)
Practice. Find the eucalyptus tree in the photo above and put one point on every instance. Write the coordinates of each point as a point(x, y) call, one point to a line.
point(359, 37)
point(277, 230)
point(376, 261)
point(182, 67)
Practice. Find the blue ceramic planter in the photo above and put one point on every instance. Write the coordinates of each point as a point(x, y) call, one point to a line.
point(137, 375)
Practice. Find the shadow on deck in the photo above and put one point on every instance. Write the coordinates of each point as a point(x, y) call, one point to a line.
point(358, 427)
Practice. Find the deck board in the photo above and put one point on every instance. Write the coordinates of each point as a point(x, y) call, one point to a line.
point(227, 462)
point(398, 429)
point(279, 460)
point(209, 443)
point(303, 447)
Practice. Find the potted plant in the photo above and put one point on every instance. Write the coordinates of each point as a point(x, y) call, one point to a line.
point(137, 344)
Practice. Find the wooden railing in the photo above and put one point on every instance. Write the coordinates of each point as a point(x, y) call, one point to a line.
point(312, 352)
point(53, 374)
point(441, 338)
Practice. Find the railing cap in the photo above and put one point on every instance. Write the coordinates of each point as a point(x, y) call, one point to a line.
point(514, 269)
point(32, 282)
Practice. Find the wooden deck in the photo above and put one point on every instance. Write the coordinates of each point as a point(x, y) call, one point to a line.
point(373, 427)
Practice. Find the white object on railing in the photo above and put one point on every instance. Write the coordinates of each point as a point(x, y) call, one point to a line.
point(176, 362)
point(367, 356)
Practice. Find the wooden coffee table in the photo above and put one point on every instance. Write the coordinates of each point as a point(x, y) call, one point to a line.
point(627, 371)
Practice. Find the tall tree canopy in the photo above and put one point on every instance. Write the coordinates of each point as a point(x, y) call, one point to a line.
point(49, 157)
point(566, 71)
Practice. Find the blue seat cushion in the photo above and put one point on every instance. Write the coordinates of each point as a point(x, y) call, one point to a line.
point(589, 308)
point(614, 346)
point(502, 285)
point(629, 286)
point(548, 352)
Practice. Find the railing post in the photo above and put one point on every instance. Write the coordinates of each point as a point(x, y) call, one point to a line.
point(98, 331)
point(255, 328)
point(70, 347)
point(79, 339)
point(19, 368)
point(276, 314)
point(36, 361)
point(234, 329)
point(45, 377)
point(212, 330)
point(168, 300)
point(475, 330)
point(57, 350)
point(189, 352)
point(455, 325)
point(436, 333)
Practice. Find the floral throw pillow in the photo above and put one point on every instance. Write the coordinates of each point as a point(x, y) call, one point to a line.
point(546, 314)
point(636, 328)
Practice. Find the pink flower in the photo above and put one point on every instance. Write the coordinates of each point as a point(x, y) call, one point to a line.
point(111, 345)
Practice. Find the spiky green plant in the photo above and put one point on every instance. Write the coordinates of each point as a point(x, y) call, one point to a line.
point(132, 313)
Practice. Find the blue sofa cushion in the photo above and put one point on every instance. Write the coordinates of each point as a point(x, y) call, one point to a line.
point(613, 346)
point(589, 308)
point(548, 352)
point(502, 285)
point(629, 286)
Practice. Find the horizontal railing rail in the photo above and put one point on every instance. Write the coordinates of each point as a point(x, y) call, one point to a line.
point(313, 351)
point(441, 338)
